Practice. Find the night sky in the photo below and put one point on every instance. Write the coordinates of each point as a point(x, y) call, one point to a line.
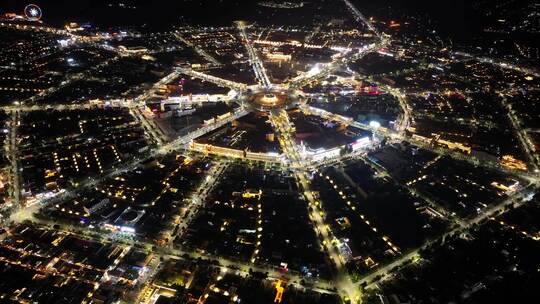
point(457, 19)
point(161, 12)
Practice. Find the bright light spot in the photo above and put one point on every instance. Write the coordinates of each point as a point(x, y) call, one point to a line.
point(314, 70)
point(374, 124)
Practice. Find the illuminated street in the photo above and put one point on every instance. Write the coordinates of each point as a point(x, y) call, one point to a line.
point(294, 152)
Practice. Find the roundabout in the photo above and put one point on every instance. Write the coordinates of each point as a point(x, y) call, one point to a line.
point(273, 98)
